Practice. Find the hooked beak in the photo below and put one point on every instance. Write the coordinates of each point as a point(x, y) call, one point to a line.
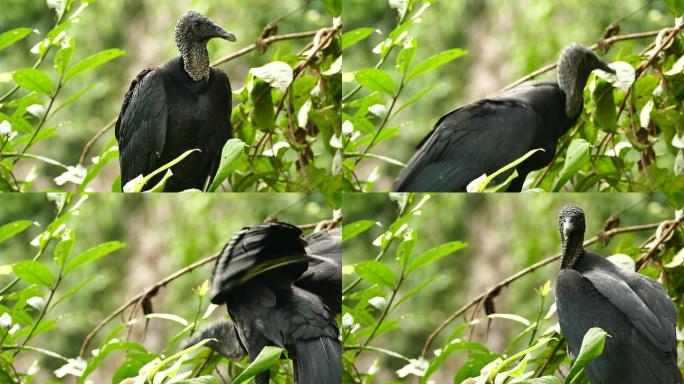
point(223, 34)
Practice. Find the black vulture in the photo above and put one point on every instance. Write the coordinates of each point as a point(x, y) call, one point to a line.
point(489, 134)
point(182, 105)
point(634, 309)
point(281, 292)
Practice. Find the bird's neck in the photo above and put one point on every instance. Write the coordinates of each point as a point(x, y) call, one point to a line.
point(571, 251)
point(196, 61)
point(572, 83)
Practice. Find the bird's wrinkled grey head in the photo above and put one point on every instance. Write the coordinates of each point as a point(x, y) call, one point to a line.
point(571, 227)
point(193, 31)
point(574, 66)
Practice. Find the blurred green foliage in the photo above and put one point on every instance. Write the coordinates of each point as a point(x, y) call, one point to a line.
point(480, 241)
point(147, 238)
point(500, 42)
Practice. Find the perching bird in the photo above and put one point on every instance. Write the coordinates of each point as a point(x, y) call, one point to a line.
point(184, 104)
point(634, 309)
point(483, 137)
point(280, 293)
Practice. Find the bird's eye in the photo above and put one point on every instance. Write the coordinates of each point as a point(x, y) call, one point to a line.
point(195, 24)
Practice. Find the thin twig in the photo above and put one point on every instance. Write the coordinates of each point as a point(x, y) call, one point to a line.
point(521, 273)
point(643, 259)
point(548, 361)
point(266, 41)
point(92, 141)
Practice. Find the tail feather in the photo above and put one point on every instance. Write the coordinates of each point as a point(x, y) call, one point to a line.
point(318, 361)
point(251, 247)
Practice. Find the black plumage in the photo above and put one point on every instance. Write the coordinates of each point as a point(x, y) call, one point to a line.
point(182, 105)
point(634, 309)
point(489, 134)
point(281, 290)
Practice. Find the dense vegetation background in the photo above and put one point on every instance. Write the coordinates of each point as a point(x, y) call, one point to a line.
point(66, 65)
point(407, 63)
point(438, 287)
point(80, 257)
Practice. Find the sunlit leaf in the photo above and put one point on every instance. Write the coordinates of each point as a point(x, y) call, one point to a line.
point(576, 158)
point(435, 61)
point(267, 358)
point(12, 36)
point(93, 61)
point(355, 36)
point(34, 272)
point(354, 229)
point(33, 80)
point(93, 254)
point(12, 229)
point(375, 272)
point(592, 347)
point(376, 80)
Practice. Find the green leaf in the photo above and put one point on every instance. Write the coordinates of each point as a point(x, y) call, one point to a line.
point(12, 229)
point(407, 246)
point(356, 228)
point(12, 36)
point(676, 7)
point(277, 74)
point(386, 159)
point(375, 272)
point(138, 183)
point(405, 56)
point(416, 97)
point(376, 80)
point(63, 57)
point(267, 358)
point(481, 183)
point(334, 7)
point(355, 36)
point(73, 290)
point(93, 254)
point(93, 61)
point(435, 254)
point(435, 61)
point(63, 248)
point(577, 157)
point(542, 380)
point(232, 156)
point(34, 273)
point(33, 80)
point(73, 98)
point(592, 347)
point(200, 380)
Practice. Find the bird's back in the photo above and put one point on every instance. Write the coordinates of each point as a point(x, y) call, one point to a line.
point(487, 135)
point(464, 144)
point(631, 354)
point(324, 277)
